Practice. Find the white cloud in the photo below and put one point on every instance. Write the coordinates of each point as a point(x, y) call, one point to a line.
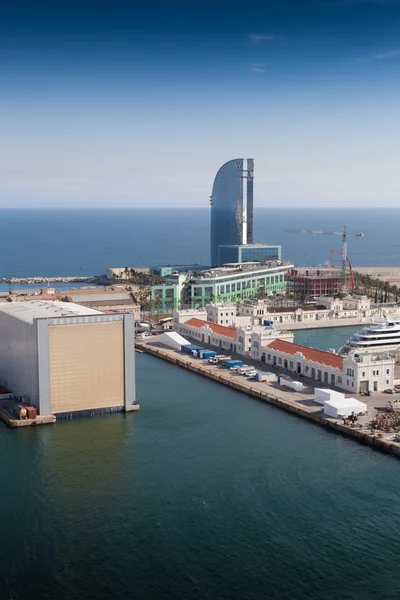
point(255, 38)
point(388, 55)
point(260, 68)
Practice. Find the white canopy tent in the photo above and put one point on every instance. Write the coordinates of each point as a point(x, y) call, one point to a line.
point(172, 340)
point(322, 395)
point(344, 407)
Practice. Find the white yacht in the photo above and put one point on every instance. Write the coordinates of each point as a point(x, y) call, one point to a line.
point(381, 336)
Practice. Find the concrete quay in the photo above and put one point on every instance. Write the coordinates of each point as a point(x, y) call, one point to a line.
point(7, 415)
point(323, 323)
point(301, 404)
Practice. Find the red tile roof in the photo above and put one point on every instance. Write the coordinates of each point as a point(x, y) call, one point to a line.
point(220, 329)
point(318, 356)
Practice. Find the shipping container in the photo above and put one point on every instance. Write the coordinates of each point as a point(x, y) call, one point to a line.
point(266, 377)
point(206, 354)
point(190, 348)
point(232, 363)
point(31, 411)
point(268, 323)
point(198, 352)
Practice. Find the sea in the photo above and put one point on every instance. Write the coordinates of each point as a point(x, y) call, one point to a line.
point(205, 493)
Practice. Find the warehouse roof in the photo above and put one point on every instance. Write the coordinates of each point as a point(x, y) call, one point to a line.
point(319, 356)
point(101, 296)
point(39, 309)
point(220, 329)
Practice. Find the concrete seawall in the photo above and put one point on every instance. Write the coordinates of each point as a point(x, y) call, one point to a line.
point(277, 397)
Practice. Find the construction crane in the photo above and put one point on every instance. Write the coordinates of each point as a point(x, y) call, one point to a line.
point(344, 235)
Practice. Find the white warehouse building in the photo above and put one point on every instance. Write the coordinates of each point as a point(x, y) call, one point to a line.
point(66, 359)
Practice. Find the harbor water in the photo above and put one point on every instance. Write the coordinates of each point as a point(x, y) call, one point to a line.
point(205, 493)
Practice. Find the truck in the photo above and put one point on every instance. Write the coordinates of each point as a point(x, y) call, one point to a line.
point(244, 368)
point(286, 381)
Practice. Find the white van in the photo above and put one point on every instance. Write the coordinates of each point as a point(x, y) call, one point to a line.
point(251, 374)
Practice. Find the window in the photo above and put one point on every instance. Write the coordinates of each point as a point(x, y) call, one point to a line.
point(222, 289)
point(248, 284)
point(197, 291)
point(373, 373)
point(291, 364)
point(269, 357)
point(377, 373)
point(238, 287)
point(158, 293)
point(339, 379)
point(387, 373)
point(363, 374)
point(279, 360)
point(233, 287)
point(228, 288)
point(253, 283)
point(268, 280)
point(208, 291)
point(281, 278)
point(387, 381)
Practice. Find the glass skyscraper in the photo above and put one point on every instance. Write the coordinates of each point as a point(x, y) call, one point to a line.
point(232, 206)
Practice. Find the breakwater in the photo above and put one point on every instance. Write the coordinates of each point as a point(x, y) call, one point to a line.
point(299, 404)
point(45, 280)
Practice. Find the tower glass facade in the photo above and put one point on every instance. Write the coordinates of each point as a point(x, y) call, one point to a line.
point(232, 205)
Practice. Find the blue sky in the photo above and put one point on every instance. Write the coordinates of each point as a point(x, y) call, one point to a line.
point(114, 104)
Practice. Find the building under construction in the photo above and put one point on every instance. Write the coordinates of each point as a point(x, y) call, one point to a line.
point(311, 282)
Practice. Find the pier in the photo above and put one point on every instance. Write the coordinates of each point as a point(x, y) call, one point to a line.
point(301, 404)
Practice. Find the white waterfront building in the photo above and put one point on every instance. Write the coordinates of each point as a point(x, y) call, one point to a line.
point(356, 374)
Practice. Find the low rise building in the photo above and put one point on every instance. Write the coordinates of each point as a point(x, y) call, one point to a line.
point(234, 282)
point(168, 295)
point(260, 311)
point(67, 359)
point(109, 301)
point(228, 284)
point(246, 341)
point(328, 308)
point(357, 373)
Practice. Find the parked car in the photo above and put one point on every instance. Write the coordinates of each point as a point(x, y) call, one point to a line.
point(389, 391)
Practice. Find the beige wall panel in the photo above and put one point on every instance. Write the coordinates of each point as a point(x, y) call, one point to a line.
point(86, 366)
